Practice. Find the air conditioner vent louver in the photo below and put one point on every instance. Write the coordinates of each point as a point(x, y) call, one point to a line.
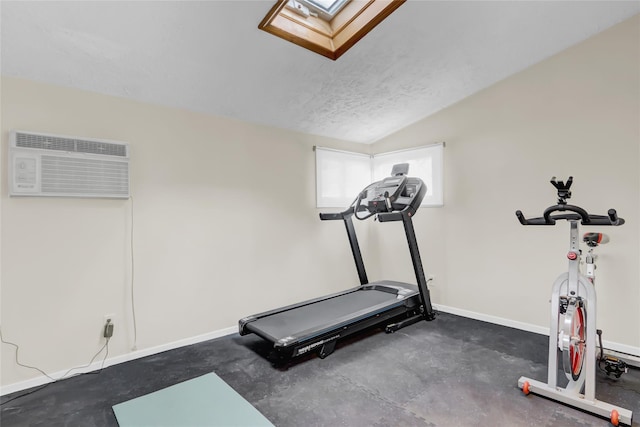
point(79, 176)
point(51, 165)
point(103, 148)
point(49, 142)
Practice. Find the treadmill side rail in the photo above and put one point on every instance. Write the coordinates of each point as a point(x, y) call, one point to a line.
point(312, 320)
point(242, 323)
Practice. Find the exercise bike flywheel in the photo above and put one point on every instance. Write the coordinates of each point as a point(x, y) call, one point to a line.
point(573, 337)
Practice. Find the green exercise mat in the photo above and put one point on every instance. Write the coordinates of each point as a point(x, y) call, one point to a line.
point(206, 401)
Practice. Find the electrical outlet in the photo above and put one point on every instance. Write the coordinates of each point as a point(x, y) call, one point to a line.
point(109, 325)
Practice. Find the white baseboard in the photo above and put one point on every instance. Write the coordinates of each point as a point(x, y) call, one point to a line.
point(136, 354)
point(492, 319)
point(622, 348)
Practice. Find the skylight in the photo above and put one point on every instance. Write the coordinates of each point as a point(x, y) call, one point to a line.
point(326, 9)
point(327, 27)
point(325, 4)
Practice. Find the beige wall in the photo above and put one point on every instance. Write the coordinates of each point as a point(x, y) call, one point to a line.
point(577, 113)
point(225, 226)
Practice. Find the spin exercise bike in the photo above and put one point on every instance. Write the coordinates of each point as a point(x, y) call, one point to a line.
point(573, 315)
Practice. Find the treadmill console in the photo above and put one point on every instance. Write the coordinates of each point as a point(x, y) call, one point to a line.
point(393, 193)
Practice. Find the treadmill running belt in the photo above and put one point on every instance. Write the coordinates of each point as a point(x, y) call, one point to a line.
point(313, 316)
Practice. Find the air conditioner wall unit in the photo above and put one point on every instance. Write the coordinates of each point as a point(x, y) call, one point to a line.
point(62, 166)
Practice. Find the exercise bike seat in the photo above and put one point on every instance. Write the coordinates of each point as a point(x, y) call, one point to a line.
point(594, 239)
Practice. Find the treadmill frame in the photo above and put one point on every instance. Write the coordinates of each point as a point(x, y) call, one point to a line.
point(411, 301)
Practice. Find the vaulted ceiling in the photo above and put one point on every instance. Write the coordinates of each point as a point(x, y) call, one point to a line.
point(210, 57)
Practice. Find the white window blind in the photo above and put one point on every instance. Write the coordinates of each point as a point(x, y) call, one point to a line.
point(341, 175)
point(424, 163)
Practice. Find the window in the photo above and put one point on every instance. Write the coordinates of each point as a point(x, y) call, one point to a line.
point(327, 27)
point(341, 175)
point(324, 9)
point(424, 163)
point(327, 5)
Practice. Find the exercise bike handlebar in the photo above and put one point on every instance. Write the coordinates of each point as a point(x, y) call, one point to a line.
point(576, 214)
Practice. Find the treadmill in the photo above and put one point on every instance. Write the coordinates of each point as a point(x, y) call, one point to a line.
point(316, 325)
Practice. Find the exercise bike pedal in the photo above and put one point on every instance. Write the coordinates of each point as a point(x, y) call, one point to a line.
point(613, 366)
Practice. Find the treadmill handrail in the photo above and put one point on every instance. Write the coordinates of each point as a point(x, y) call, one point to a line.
point(397, 215)
point(382, 216)
point(331, 216)
point(346, 217)
point(350, 211)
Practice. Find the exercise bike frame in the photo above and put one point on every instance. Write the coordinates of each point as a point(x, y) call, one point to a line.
point(579, 290)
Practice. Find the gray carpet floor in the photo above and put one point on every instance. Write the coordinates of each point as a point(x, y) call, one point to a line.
point(452, 371)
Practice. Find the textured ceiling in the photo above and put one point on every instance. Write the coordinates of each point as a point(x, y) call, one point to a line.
point(210, 57)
